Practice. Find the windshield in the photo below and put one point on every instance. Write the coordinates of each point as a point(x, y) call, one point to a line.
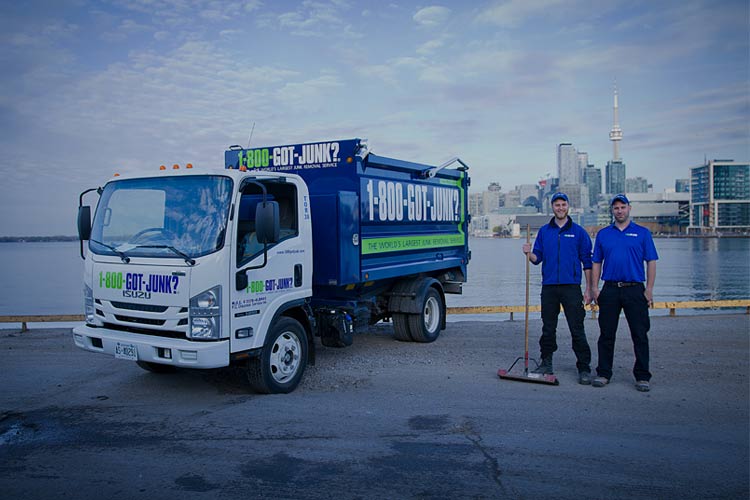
point(162, 217)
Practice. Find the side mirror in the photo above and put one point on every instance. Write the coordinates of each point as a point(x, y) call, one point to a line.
point(84, 223)
point(267, 222)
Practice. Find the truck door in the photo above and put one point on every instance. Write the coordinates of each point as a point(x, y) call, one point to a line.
point(275, 271)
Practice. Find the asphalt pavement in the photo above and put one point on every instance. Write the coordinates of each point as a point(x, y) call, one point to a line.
point(384, 419)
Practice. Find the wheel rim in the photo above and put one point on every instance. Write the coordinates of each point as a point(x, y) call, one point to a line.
point(285, 357)
point(431, 314)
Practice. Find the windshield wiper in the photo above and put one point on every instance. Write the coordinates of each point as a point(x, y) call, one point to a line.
point(188, 260)
point(122, 255)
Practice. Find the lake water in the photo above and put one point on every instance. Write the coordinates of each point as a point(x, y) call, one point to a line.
point(45, 278)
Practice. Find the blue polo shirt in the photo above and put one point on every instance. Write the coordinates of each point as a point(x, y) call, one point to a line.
point(624, 252)
point(562, 251)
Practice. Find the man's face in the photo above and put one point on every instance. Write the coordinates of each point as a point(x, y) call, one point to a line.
point(621, 211)
point(560, 207)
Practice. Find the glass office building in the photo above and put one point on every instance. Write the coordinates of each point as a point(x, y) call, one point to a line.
point(720, 197)
point(615, 177)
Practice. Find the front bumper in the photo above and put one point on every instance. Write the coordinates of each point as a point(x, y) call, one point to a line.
point(183, 353)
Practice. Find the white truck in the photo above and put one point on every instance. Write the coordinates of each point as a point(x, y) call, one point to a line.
point(191, 268)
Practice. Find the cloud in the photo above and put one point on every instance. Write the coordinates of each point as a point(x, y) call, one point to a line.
point(432, 16)
point(126, 29)
point(307, 94)
point(430, 47)
point(153, 106)
point(386, 73)
point(515, 12)
point(315, 18)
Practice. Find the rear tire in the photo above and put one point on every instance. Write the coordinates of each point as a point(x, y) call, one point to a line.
point(425, 327)
point(156, 367)
point(279, 368)
point(401, 327)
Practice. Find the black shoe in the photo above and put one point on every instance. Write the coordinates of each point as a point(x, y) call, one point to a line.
point(545, 368)
point(584, 378)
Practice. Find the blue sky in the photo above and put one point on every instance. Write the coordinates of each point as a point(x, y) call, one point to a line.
point(90, 88)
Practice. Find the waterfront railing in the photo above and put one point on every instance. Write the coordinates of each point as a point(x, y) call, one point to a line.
point(672, 306)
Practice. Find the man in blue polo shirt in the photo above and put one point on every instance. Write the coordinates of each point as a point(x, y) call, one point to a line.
point(619, 253)
point(563, 247)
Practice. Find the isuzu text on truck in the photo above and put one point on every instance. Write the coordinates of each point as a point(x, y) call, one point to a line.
point(202, 269)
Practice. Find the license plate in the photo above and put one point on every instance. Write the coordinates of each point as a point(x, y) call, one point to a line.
point(126, 351)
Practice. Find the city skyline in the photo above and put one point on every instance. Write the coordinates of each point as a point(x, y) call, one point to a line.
point(94, 88)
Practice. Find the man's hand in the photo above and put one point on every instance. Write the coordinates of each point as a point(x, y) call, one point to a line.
point(587, 296)
point(529, 254)
point(649, 294)
point(595, 295)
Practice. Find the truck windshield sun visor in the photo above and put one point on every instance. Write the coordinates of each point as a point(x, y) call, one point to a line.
point(162, 217)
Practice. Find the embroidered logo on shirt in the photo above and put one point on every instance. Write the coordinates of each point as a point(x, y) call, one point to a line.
point(569, 235)
point(634, 235)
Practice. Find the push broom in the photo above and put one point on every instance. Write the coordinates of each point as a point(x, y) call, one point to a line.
point(526, 376)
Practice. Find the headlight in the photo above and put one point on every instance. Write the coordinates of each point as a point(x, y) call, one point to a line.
point(88, 304)
point(205, 315)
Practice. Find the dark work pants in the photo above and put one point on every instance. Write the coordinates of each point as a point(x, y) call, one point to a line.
point(571, 299)
point(613, 300)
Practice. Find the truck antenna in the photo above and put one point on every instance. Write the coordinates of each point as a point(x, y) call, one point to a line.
point(251, 136)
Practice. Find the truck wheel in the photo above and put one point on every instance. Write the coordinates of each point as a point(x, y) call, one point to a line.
point(279, 368)
point(156, 367)
point(401, 327)
point(425, 327)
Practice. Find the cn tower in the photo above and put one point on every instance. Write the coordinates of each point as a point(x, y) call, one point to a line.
point(615, 135)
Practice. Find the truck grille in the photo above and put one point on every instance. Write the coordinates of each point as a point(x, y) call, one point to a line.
point(142, 321)
point(146, 319)
point(139, 307)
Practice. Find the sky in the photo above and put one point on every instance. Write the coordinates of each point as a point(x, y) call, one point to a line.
point(94, 87)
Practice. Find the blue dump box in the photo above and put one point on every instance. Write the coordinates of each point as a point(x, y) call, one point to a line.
point(374, 219)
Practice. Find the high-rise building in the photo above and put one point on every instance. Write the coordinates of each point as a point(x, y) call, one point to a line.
point(578, 194)
point(513, 199)
point(720, 197)
point(583, 162)
point(615, 171)
point(567, 164)
point(485, 202)
point(682, 185)
point(614, 177)
point(592, 177)
point(636, 185)
point(615, 135)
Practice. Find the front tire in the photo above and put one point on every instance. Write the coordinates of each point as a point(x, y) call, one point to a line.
point(425, 327)
point(279, 368)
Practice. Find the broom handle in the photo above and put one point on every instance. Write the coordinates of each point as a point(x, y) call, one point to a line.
point(526, 312)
